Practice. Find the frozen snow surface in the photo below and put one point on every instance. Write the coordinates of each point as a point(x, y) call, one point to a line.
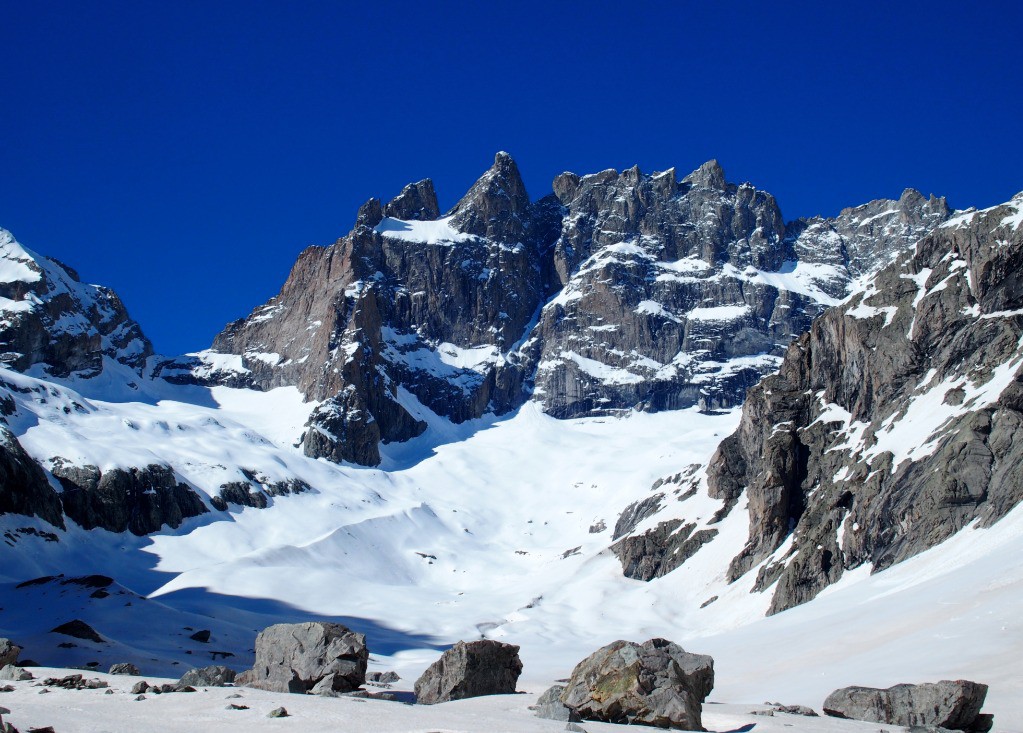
point(499, 528)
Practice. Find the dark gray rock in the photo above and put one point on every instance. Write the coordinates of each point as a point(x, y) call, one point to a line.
point(139, 687)
point(417, 201)
point(662, 549)
point(202, 636)
point(549, 706)
point(298, 657)
point(138, 500)
point(655, 683)
point(212, 676)
point(124, 668)
point(9, 652)
point(78, 629)
point(949, 704)
point(470, 669)
point(385, 678)
point(343, 429)
point(278, 713)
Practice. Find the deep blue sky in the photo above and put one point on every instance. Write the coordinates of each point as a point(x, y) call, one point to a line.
point(185, 152)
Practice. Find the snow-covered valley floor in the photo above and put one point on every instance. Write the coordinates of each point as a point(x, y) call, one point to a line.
point(471, 530)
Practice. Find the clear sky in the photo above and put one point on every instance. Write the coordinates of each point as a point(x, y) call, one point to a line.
point(185, 152)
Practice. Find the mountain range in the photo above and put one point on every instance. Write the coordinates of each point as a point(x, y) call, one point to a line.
point(639, 403)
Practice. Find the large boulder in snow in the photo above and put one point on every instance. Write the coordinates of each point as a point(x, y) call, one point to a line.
point(949, 704)
point(216, 675)
point(549, 706)
point(298, 657)
point(9, 652)
point(470, 669)
point(655, 683)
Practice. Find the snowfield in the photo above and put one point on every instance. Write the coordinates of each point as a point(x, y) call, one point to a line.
point(498, 527)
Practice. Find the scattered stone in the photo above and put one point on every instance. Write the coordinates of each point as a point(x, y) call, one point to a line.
point(79, 630)
point(233, 697)
point(796, 710)
point(575, 728)
point(9, 652)
point(949, 704)
point(233, 706)
point(656, 683)
point(298, 657)
point(139, 687)
point(549, 706)
point(765, 713)
point(472, 669)
point(11, 672)
point(43, 691)
point(277, 713)
point(45, 729)
point(384, 678)
point(109, 692)
point(213, 676)
point(183, 688)
point(125, 668)
point(202, 637)
point(140, 698)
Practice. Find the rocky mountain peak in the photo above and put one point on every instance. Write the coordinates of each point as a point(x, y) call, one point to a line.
point(709, 175)
point(497, 206)
point(416, 202)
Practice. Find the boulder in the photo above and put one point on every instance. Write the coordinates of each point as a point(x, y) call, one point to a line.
point(79, 630)
point(11, 672)
point(298, 657)
point(655, 683)
point(470, 669)
point(9, 652)
point(125, 668)
point(549, 706)
point(215, 675)
point(952, 704)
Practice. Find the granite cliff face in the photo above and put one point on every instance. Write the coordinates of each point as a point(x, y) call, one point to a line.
point(891, 425)
point(618, 291)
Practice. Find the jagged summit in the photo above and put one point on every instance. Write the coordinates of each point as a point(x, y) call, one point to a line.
point(709, 175)
point(618, 291)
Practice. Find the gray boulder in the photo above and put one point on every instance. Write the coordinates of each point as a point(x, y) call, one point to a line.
point(549, 706)
point(947, 704)
point(125, 668)
point(213, 676)
point(10, 672)
point(655, 683)
point(298, 657)
point(9, 652)
point(470, 669)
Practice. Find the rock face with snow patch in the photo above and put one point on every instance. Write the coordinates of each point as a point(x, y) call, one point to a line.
point(49, 317)
point(470, 669)
point(952, 705)
point(298, 657)
point(894, 422)
point(655, 683)
point(616, 291)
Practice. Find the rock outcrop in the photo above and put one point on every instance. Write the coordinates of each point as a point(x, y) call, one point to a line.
point(952, 705)
point(52, 319)
point(656, 683)
point(23, 485)
point(300, 657)
point(470, 669)
point(137, 500)
point(893, 423)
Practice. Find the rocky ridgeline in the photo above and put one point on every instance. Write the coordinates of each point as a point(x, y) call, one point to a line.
point(891, 425)
point(617, 291)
